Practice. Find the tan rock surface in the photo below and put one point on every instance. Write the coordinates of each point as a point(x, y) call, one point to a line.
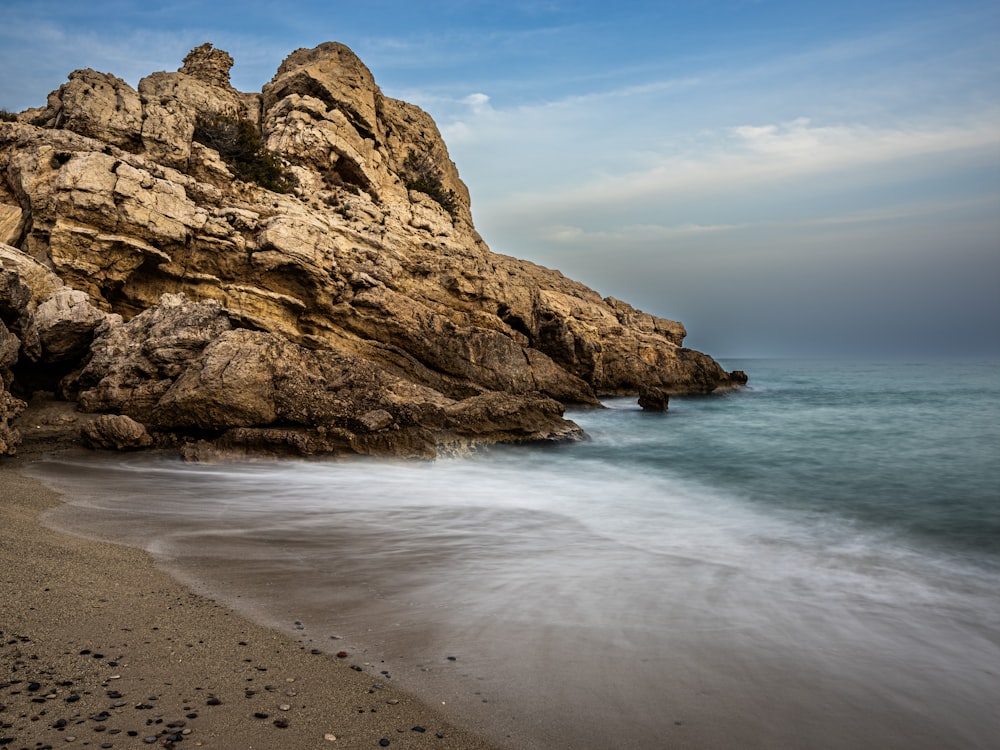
point(109, 192)
point(115, 432)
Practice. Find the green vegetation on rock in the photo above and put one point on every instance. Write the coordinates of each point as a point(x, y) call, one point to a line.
point(241, 146)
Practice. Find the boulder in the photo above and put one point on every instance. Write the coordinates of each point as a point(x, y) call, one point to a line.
point(133, 364)
point(97, 105)
point(115, 432)
point(64, 324)
point(653, 398)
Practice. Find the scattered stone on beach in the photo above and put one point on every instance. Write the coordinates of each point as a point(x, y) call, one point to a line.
point(115, 432)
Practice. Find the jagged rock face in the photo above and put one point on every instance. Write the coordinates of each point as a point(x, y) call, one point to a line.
point(354, 268)
point(180, 367)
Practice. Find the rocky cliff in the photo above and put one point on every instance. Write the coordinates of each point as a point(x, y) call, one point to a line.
point(292, 271)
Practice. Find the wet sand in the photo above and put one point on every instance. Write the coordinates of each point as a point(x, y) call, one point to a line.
point(100, 648)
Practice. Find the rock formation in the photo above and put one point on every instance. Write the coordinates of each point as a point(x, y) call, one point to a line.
point(292, 271)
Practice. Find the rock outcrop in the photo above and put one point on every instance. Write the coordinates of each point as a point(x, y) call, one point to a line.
point(351, 307)
point(115, 432)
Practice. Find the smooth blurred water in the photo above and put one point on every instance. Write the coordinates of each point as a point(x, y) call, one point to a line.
point(809, 562)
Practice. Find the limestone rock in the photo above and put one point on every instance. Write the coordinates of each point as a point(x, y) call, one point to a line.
point(9, 346)
point(10, 408)
point(115, 432)
point(133, 364)
point(23, 281)
point(65, 323)
point(98, 105)
point(652, 398)
point(361, 311)
point(11, 223)
point(209, 65)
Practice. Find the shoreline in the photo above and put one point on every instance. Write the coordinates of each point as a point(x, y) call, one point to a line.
point(100, 645)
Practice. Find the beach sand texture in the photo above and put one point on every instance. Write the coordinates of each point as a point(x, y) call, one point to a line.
point(99, 648)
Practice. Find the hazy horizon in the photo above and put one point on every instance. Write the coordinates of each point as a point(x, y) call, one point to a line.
point(786, 179)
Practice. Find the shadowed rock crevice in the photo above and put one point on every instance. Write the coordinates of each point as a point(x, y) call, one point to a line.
point(151, 277)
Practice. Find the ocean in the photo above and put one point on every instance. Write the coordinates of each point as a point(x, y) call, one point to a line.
point(810, 562)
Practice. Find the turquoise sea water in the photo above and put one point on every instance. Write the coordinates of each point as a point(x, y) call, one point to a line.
point(810, 562)
point(907, 450)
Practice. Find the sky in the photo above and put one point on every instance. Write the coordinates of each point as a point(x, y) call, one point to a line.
point(785, 178)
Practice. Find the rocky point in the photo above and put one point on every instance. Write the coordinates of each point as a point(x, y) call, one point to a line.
point(292, 271)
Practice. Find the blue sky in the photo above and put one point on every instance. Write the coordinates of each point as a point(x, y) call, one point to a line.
point(786, 178)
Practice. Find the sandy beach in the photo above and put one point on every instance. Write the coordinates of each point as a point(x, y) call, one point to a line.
point(99, 648)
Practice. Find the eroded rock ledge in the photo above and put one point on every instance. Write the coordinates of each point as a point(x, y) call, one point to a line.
point(355, 313)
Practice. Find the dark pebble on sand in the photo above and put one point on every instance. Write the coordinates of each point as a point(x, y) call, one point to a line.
point(33, 686)
point(213, 702)
point(452, 658)
point(383, 742)
point(281, 723)
point(114, 694)
point(191, 716)
point(85, 652)
point(356, 668)
point(419, 729)
point(72, 698)
point(341, 654)
point(260, 715)
point(98, 656)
